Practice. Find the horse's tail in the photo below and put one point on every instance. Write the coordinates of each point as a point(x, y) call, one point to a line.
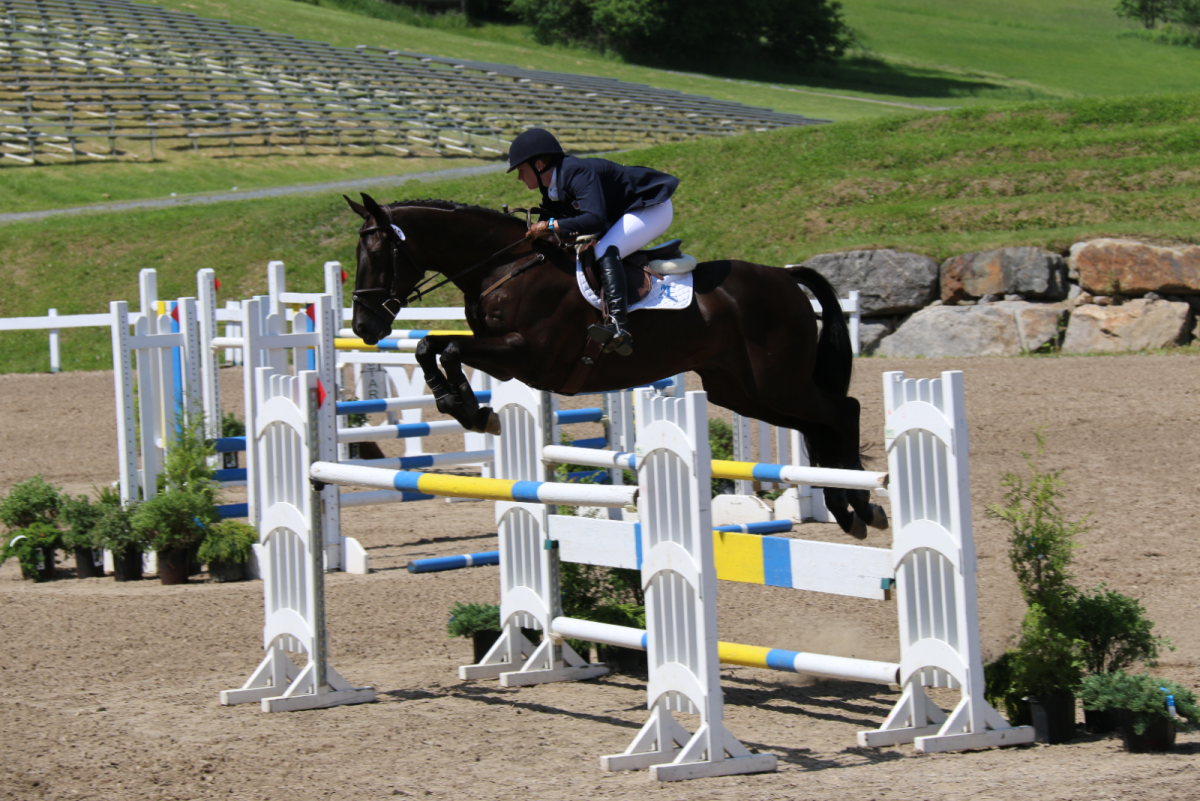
point(835, 356)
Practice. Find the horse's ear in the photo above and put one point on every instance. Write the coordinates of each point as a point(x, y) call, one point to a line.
point(358, 208)
point(376, 211)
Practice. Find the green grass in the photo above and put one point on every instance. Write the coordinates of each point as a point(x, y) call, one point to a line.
point(59, 186)
point(511, 44)
point(1044, 174)
point(927, 52)
point(1060, 47)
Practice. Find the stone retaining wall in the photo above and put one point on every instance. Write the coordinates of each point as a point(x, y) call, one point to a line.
point(1106, 295)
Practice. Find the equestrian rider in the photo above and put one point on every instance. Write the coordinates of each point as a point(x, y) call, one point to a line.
point(630, 206)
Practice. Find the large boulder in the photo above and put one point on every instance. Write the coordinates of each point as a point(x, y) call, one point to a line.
point(1137, 325)
point(1030, 272)
point(1125, 267)
point(888, 281)
point(995, 329)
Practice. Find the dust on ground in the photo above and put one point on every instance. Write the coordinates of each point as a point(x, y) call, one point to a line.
point(110, 690)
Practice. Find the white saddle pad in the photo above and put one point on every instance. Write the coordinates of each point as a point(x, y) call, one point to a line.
point(671, 292)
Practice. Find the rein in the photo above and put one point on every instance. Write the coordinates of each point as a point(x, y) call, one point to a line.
point(364, 296)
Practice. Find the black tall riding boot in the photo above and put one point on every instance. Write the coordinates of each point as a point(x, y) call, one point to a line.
point(613, 334)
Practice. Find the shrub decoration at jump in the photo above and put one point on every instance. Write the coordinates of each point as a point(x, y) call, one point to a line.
point(31, 511)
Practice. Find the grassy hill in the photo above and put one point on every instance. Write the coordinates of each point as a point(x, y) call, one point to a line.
point(933, 53)
point(1041, 174)
point(1058, 47)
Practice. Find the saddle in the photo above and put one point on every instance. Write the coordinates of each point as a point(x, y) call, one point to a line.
point(666, 259)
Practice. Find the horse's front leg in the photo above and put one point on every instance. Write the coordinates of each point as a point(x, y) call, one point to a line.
point(451, 391)
point(447, 399)
point(481, 420)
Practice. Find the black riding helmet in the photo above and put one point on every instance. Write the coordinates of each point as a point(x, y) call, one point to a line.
point(536, 143)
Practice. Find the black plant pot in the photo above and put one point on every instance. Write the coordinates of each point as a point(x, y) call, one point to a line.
point(1159, 735)
point(45, 570)
point(482, 641)
point(1101, 721)
point(1053, 717)
point(85, 564)
point(227, 571)
point(174, 566)
point(127, 566)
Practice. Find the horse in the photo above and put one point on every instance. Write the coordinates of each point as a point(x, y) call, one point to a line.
point(750, 332)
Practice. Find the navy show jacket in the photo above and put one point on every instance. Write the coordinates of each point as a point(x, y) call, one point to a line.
point(594, 193)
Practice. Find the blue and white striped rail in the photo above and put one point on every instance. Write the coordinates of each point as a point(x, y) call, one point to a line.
point(375, 405)
point(347, 500)
point(410, 430)
point(412, 333)
point(427, 460)
point(783, 473)
point(440, 563)
point(487, 489)
point(761, 527)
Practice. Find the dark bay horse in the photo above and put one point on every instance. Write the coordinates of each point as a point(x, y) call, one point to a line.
point(750, 332)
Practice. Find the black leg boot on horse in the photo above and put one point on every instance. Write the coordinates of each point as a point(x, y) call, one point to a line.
point(613, 335)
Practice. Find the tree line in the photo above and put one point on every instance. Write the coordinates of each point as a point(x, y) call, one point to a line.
point(687, 33)
point(1183, 15)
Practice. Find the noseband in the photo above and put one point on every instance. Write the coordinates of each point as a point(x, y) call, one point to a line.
point(394, 302)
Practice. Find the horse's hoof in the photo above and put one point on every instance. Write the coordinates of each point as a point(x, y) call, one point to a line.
point(880, 520)
point(858, 529)
point(487, 421)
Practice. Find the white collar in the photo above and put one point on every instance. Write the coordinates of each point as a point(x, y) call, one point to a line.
point(552, 189)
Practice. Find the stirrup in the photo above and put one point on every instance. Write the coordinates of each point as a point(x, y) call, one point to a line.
point(612, 340)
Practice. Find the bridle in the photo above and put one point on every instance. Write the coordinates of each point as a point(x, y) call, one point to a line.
point(391, 305)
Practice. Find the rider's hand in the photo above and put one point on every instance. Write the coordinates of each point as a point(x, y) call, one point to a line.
point(539, 229)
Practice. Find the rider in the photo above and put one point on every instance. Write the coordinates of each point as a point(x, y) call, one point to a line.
point(630, 206)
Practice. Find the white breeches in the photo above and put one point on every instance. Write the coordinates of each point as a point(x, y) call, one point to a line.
point(637, 229)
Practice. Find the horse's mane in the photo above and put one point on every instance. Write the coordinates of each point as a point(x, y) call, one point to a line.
point(448, 205)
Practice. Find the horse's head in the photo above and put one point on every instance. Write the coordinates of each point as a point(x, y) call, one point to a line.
point(387, 271)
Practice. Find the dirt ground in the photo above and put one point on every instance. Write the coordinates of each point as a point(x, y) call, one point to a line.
point(109, 691)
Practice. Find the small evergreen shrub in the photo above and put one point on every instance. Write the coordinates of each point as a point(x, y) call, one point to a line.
point(186, 465)
point(115, 533)
point(1143, 695)
point(31, 501)
point(227, 542)
point(31, 545)
point(231, 426)
point(174, 519)
point(80, 516)
point(1114, 632)
point(467, 619)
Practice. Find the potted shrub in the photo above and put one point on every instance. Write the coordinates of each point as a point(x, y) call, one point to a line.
point(32, 504)
point(1151, 709)
point(80, 516)
point(226, 548)
point(115, 533)
point(173, 523)
point(1113, 633)
point(1046, 665)
point(33, 547)
point(480, 622)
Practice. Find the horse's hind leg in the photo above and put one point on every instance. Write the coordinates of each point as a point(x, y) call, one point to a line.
point(829, 423)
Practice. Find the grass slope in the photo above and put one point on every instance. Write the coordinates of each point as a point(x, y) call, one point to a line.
point(512, 45)
point(1062, 47)
point(1041, 174)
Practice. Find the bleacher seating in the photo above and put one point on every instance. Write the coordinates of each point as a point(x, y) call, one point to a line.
point(89, 78)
